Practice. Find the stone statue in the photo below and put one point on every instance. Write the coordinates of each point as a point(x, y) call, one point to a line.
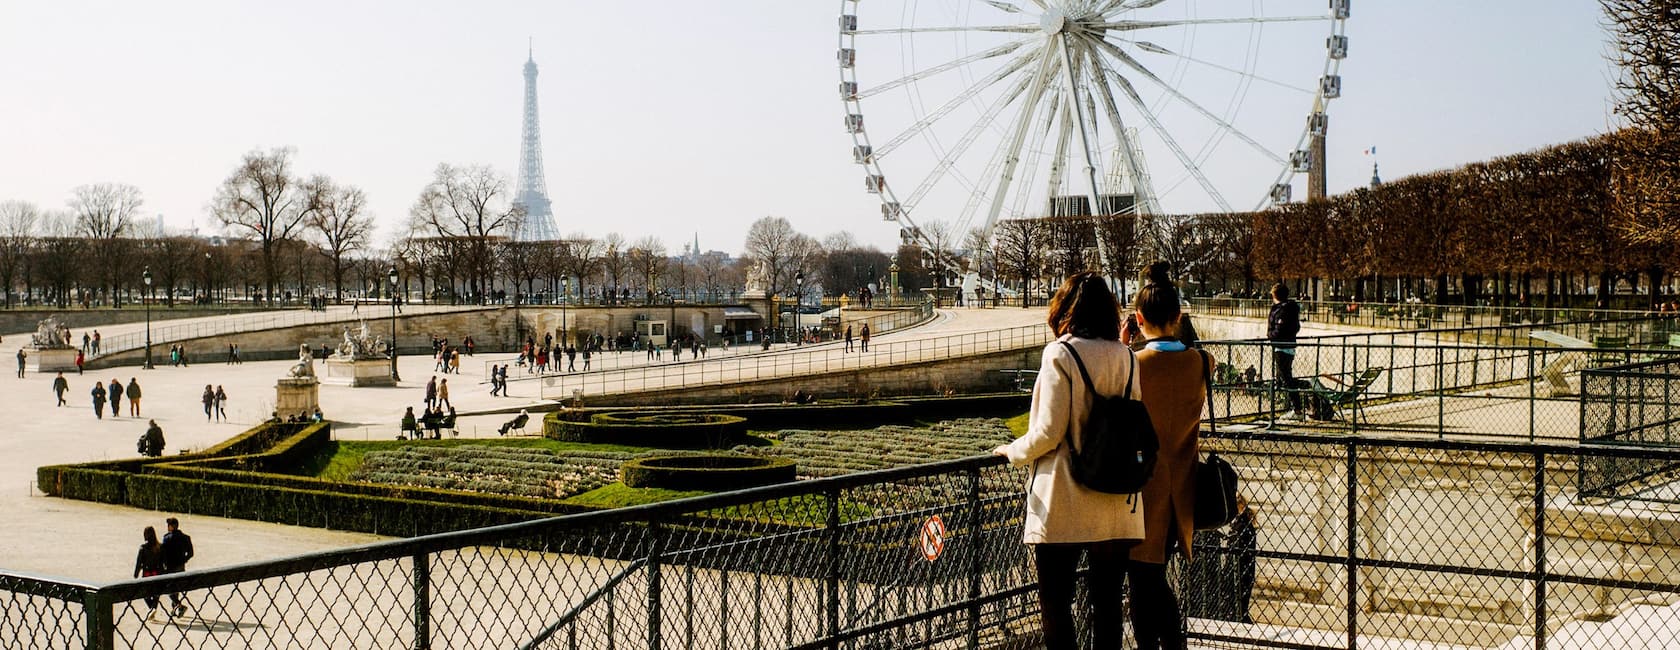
point(305, 368)
point(49, 335)
point(360, 344)
point(756, 278)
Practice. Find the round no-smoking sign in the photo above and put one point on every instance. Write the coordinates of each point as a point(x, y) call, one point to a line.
point(933, 538)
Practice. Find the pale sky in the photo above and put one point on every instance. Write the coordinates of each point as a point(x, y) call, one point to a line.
point(675, 116)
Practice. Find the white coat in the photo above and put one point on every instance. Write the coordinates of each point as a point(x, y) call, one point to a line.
point(1059, 510)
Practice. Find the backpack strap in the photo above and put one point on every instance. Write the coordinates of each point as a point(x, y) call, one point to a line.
point(1085, 374)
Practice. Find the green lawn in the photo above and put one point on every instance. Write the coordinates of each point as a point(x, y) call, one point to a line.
point(1018, 424)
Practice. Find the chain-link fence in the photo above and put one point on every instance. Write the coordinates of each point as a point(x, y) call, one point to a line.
point(1351, 542)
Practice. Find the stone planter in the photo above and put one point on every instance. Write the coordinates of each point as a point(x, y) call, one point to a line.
point(359, 372)
point(296, 397)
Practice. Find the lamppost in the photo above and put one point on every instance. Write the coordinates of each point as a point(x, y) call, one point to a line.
point(146, 277)
point(798, 301)
point(392, 275)
point(671, 325)
point(565, 290)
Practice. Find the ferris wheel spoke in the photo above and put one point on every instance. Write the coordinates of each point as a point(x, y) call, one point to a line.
point(1115, 7)
point(1064, 138)
point(1116, 53)
point(1156, 49)
point(1016, 29)
point(967, 140)
point(1085, 134)
point(962, 97)
point(1002, 6)
point(1134, 25)
point(943, 67)
point(1010, 148)
point(1102, 77)
point(1142, 193)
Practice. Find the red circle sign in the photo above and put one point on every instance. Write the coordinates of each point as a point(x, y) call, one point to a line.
point(933, 538)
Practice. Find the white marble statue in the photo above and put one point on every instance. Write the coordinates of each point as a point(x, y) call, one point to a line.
point(305, 368)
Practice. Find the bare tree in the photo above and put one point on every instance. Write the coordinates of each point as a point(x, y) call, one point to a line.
point(1646, 38)
point(342, 224)
point(58, 257)
point(779, 250)
point(105, 214)
point(472, 205)
point(613, 261)
point(264, 199)
point(1019, 250)
point(647, 259)
point(712, 269)
point(18, 220)
point(579, 257)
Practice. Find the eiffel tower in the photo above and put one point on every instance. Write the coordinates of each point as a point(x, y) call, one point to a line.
point(532, 192)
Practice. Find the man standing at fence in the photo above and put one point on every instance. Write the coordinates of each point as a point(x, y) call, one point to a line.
point(177, 550)
point(1282, 324)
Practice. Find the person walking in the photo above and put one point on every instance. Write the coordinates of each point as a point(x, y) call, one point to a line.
point(99, 400)
point(221, 404)
point(863, 339)
point(60, 387)
point(96, 339)
point(1172, 376)
point(149, 562)
point(87, 342)
point(209, 399)
point(1283, 323)
point(848, 339)
point(431, 391)
point(21, 357)
point(586, 359)
point(443, 394)
point(133, 394)
point(81, 358)
point(1064, 519)
point(177, 551)
point(115, 394)
point(152, 441)
point(571, 358)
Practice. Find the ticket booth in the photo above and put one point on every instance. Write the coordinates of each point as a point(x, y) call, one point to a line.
point(653, 332)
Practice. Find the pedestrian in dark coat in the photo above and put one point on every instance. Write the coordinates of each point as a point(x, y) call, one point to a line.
point(60, 387)
point(99, 400)
point(177, 551)
point(116, 394)
point(209, 399)
point(133, 394)
point(149, 562)
point(154, 440)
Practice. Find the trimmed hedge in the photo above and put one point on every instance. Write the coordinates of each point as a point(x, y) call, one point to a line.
point(644, 429)
point(104, 482)
point(762, 417)
point(713, 472)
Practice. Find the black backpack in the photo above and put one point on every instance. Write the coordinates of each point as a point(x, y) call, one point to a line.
point(1116, 454)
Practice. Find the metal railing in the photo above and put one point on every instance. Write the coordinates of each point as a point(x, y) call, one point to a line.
point(1410, 315)
point(810, 360)
point(1631, 404)
point(735, 346)
point(165, 334)
point(1356, 541)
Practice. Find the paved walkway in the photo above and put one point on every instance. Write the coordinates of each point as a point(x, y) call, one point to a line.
point(103, 538)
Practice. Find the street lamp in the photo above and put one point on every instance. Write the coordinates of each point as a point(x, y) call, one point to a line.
point(565, 289)
point(798, 301)
point(392, 275)
point(146, 277)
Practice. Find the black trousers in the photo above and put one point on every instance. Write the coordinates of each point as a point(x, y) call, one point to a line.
point(1057, 564)
point(1284, 363)
point(1157, 621)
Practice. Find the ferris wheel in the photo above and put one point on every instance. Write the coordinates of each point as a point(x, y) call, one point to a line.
point(983, 110)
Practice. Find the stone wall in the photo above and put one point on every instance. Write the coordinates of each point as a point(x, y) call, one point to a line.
point(22, 322)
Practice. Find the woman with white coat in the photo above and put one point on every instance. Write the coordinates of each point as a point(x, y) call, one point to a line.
point(1064, 519)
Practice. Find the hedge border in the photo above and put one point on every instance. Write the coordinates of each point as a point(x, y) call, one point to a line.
point(763, 417)
point(761, 470)
point(605, 427)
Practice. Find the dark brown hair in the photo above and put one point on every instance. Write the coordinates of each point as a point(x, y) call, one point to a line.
point(1280, 291)
point(1084, 307)
point(1158, 300)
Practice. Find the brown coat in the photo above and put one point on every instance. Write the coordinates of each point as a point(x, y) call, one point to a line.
point(1173, 391)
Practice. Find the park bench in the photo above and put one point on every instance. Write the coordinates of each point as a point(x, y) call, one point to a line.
point(1345, 393)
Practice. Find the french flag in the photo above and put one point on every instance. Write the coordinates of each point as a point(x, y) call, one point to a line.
point(1371, 152)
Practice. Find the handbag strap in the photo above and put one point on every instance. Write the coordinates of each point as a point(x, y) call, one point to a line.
point(1207, 387)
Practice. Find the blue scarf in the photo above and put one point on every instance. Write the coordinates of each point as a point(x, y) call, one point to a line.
point(1165, 345)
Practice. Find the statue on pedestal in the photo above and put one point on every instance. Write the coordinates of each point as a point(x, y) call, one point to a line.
point(50, 335)
point(360, 344)
point(305, 368)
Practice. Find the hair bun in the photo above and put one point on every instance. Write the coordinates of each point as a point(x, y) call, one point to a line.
point(1158, 273)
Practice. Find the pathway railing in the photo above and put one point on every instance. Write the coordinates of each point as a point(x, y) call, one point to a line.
point(163, 334)
point(1357, 542)
point(1409, 315)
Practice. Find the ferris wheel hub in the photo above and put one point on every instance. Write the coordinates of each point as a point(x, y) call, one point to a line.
point(1053, 21)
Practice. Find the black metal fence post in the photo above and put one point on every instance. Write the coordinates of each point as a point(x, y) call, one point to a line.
point(656, 540)
point(422, 602)
point(977, 547)
point(1352, 546)
point(1539, 550)
point(101, 621)
point(831, 590)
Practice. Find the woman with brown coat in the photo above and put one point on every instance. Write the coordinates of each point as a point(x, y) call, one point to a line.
point(1064, 519)
point(1171, 376)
